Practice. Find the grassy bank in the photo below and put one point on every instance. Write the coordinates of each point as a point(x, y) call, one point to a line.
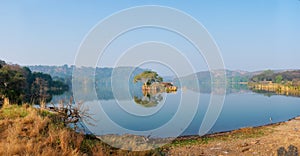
point(243, 133)
point(25, 130)
point(264, 141)
point(281, 89)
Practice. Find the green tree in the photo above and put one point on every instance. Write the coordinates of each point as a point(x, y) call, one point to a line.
point(13, 83)
point(278, 78)
point(42, 87)
point(2, 63)
point(20, 85)
point(268, 75)
point(147, 77)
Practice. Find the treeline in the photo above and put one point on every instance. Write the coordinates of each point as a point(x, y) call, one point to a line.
point(20, 85)
point(290, 77)
point(102, 77)
point(58, 73)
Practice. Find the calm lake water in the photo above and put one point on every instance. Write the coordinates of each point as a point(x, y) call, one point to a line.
point(146, 115)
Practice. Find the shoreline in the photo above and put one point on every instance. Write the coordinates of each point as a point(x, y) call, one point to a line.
point(185, 137)
point(27, 130)
point(229, 131)
point(261, 140)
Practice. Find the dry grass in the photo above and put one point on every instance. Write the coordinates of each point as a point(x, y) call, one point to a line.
point(25, 130)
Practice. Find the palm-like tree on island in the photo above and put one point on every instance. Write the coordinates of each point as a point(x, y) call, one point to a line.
point(147, 78)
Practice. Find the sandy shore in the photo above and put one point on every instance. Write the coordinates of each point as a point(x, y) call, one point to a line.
point(264, 140)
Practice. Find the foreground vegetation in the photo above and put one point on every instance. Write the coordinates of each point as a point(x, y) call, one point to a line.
point(25, 130)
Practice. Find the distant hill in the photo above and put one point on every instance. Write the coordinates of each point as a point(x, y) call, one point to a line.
point(102, 77)
point(231, 76)
point(55, 71)
point(233, 80)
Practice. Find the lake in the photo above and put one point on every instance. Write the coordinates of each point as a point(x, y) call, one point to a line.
point(154, 115)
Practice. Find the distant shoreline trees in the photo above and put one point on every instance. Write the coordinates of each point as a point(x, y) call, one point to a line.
point(286, 77)
point(283, 83)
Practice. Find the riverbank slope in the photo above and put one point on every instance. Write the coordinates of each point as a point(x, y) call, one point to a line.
point(265, 140)
point(25, 130)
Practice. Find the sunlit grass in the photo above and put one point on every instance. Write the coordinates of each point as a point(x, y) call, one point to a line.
point(186, 142)
point(25, 130)
point(13, 111)
point(242, 133)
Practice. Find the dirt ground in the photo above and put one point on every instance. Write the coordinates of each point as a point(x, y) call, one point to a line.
point(267, 140)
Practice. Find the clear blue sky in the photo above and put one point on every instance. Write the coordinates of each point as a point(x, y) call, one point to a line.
point(252, 35)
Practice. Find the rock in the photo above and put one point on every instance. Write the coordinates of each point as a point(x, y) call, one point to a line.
point(215, 148)
point(297, 118)
point(255, 142)
point(245, 149)
point(244, 145)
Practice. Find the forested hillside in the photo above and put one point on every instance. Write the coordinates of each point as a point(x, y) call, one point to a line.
point(21, 85)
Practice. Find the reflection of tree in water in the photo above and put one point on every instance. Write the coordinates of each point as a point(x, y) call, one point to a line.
point(149, 99)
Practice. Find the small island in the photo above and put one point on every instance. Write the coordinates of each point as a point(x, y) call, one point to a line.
point(153, 83)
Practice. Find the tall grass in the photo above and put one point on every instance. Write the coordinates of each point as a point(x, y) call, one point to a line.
point(25, 130)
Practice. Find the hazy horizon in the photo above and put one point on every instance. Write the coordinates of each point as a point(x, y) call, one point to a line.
point(163, 73)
